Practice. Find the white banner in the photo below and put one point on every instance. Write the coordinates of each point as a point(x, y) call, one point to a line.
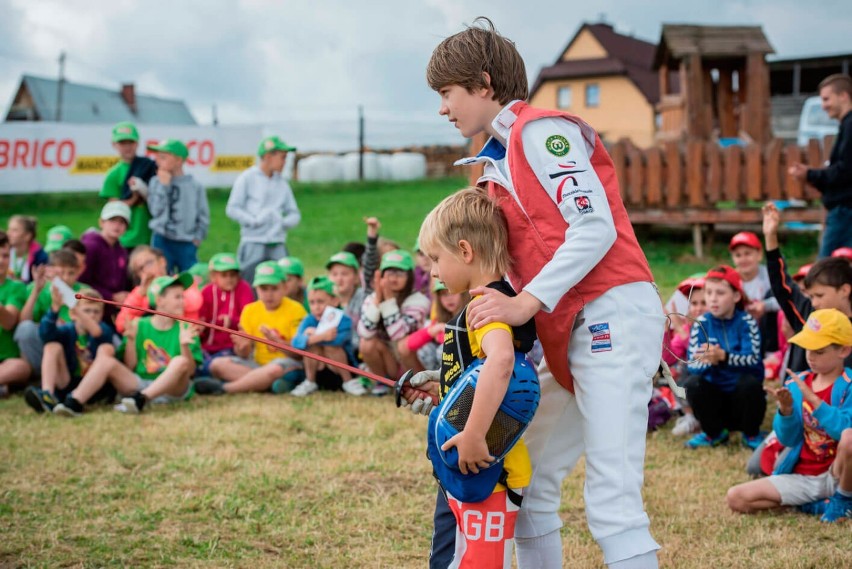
point(48, 157)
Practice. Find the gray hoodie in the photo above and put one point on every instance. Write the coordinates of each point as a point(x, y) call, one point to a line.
point(179, 211)
point(264, 207)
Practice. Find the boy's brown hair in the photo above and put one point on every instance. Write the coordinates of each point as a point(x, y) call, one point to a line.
point(4, 239)
point(463, 59)
point(471, 215)
point(63, 258)
point(831, 271)
point(839, 83)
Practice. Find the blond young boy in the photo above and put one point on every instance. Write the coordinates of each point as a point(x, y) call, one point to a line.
point(127, 181)
point(158, 360)
point(273, 316)
point(814, 408)
point(180, 216)
point(573, 247)
point(465, 239)
point(69, 349)
point(13, 294)
point(333, 342)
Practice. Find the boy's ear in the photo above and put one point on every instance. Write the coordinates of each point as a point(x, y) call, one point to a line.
point(486, 82)
point(845, 289)
point(845, 351)
point(465, 251)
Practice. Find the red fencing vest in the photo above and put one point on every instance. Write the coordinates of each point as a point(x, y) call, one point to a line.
point(537, 229)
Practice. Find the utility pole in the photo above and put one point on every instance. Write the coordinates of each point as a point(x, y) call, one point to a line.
point(60, 86)
point(215, 116)
point(360, 142)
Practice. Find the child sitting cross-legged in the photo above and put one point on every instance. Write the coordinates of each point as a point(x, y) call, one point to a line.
point(814, 407)
point(158, 357)
point(325, 331)
point(69, 350)
point(257, 366)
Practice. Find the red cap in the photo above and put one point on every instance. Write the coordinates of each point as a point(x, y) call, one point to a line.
point(746, 238)
point(730, 275)
point(689, 284)
point(844, 252)
point(803, 271)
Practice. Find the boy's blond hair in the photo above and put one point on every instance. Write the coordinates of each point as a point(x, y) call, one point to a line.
point(469, 215)
point(461, 59)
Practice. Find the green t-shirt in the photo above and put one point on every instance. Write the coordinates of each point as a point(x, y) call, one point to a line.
point(12, 293)
point(156, 348)
point(44, 300)
point(138, 232)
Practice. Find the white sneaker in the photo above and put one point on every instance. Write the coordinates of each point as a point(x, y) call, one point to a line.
point(686, 425)
point(380, 389)
point(354, 387)
point(305, 388)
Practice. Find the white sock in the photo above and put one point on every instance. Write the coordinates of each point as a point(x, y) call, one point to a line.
point(544, 552)
point(645, 561)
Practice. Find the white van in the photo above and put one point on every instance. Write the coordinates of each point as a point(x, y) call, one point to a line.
point(815, 122)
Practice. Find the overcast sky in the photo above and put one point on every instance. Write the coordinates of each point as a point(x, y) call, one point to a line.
point(304, 67)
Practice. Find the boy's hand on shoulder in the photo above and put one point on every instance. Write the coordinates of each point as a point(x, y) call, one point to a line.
point(473, 452)
point(494, 306)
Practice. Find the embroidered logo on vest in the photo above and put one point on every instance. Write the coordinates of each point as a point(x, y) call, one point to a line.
point(557, 145)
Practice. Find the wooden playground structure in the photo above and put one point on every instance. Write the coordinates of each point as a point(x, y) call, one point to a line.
point(715, 160)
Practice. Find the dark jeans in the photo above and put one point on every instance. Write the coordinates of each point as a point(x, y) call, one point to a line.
point(838, 230)
point(739, 410)
point(180, 255)
point(443, 534)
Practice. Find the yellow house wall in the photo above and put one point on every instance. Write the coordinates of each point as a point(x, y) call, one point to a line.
point(585, 46)
point(623, 111)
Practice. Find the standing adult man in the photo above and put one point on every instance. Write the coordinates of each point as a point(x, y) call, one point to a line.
point(262, 202)
point(834, 181)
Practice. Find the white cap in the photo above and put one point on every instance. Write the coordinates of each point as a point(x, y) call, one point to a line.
point(116, 209)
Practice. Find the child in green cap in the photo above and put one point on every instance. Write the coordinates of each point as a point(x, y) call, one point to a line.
point(128, 181)
point(326, 331)
point(294, 284)
point(180, 216)
point(274, 317)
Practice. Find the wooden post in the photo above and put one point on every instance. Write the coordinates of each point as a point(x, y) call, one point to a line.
point(695, 173)
point(697, 241)
point(619, 162)
point(674, 175)
point(694, 100)
point(774, 170)
point(636, 177)
point(757, 109)
point(754, 173)
point(725, 99)
point(654, 187)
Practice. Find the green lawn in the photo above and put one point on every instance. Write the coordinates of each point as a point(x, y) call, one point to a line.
point(273, 481)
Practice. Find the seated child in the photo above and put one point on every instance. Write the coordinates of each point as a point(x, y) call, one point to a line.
point(725, 386)
point(13, 295)
point(26, 253)
point(332, 343)
point(156, 362)
point(344, 271)
point(180, 215)
point(106, 260)
point(747, 254)
point(389, 314)
point(294, 286)
point(687, 423)
point(423, 347)
point(422, 267)
point(814, 407)
point(275, 317)
point(223, 302)
point(65, 265)
point(69, 350)
point(465, 237)
point(146, 264)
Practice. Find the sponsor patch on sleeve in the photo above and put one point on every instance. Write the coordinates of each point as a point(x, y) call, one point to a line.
point(601, 338)
point(583, 204)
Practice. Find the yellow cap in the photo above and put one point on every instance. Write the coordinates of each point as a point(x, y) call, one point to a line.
point(823, 328)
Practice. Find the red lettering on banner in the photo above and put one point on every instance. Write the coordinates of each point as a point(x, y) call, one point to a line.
point(189, 147)
point(47, 144)
point(206, 153)
point(22, 147)
point(34, 154)
point(66, 144)
point(4, 153)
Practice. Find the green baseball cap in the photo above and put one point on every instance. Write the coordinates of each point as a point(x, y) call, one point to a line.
point(201, 271)
point(343, 258)
point(125, 131)
point(222, 262)
point(268, 273)
point(398, 259)
point(292, 266)
point(160, 284)
point(56, 238)
point(322, 283)
point(271, 143)
point(171, 146)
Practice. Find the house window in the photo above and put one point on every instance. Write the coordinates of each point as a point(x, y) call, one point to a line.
point(563, 98)
point(593, 95)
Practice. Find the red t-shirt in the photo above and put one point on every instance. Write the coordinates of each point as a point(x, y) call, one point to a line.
point(819, 448)
point(224, 309)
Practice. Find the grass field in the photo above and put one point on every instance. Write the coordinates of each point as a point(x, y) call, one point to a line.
point(272, 481)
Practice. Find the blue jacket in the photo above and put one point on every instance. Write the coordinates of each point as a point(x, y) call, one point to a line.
point(739, 337)
point(66, 335)
point(833, 418)
point(343, 338)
